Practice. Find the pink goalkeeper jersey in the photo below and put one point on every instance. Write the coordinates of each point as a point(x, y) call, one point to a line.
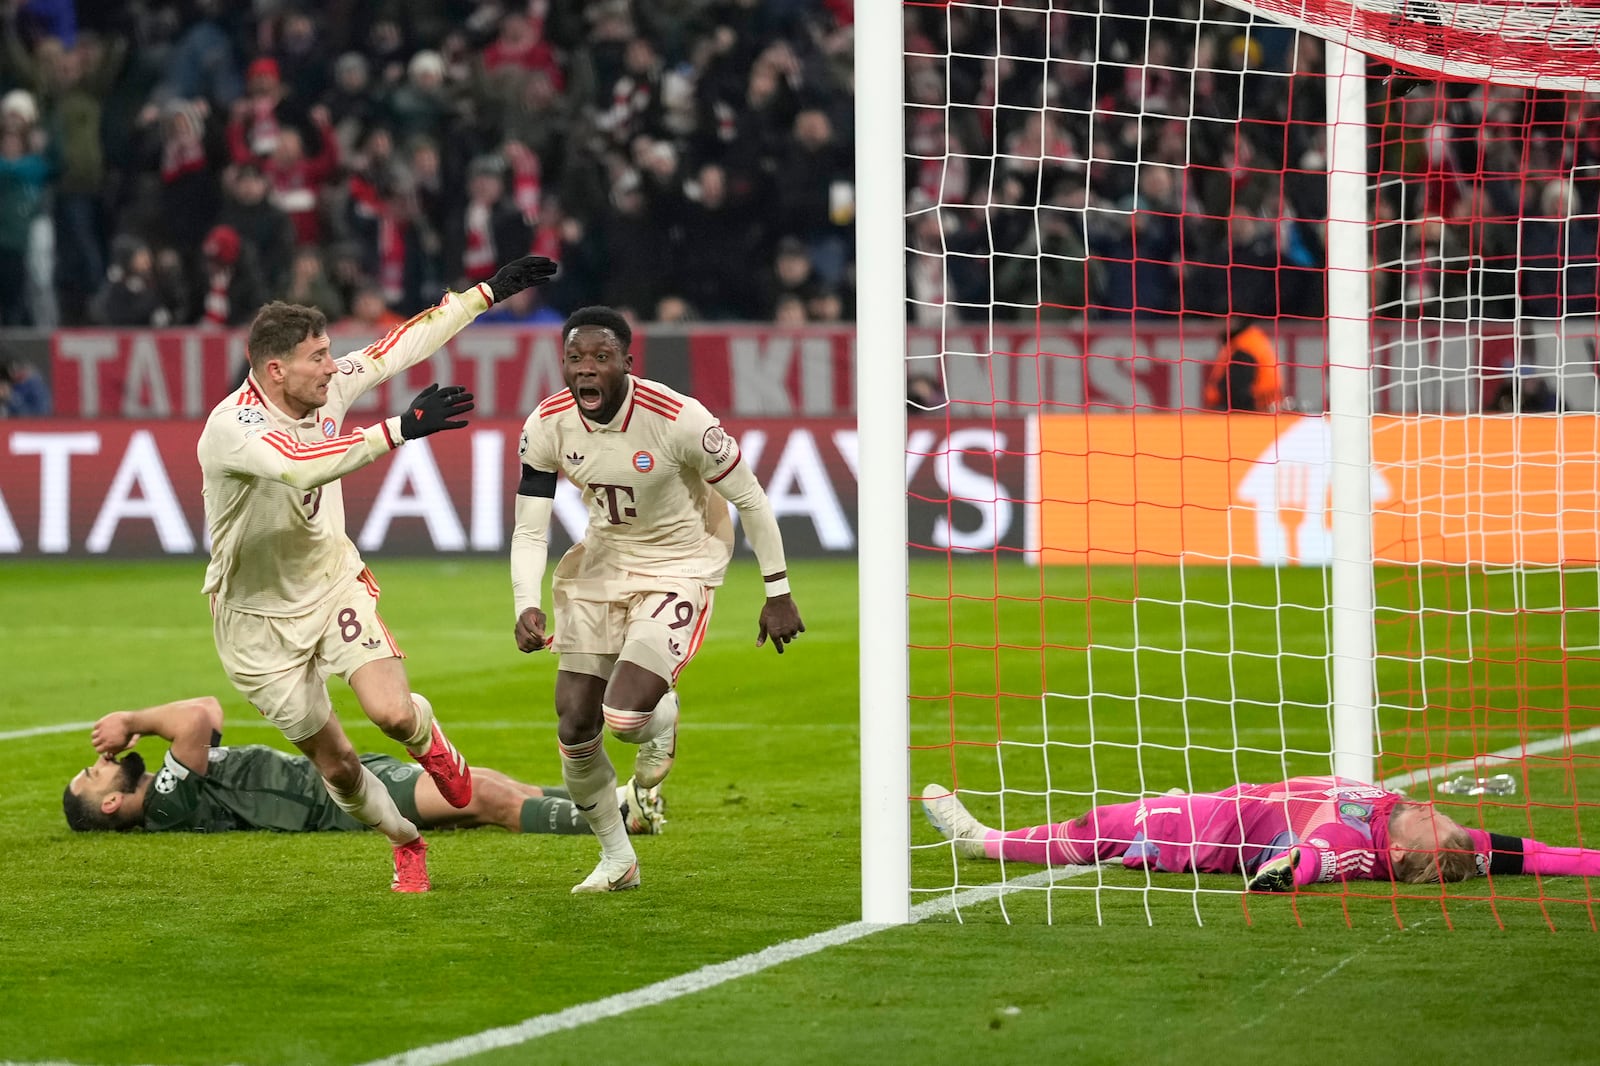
point(1239, 828)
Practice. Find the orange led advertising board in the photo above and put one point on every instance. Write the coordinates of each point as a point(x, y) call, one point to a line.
point(1245, 488)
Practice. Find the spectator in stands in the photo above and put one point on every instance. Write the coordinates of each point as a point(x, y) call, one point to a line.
point(133, 294)
point(826, 307)
point(297, 179)
point(1244, 376)
point(27, 394)
point(792, 275)
point(421, 106)
point(924, 394)
point(231, 290)
point(789, 312)
point(187, 151)
point(489, 229)
point(19, 114)
point(298, 51)
point(675, 310)
point(352, 107)
point(27, 164)
point(369, 315)
point(258, 118)
point(70, 83)
point(260, 223)
point(714, 239)
point(308, 284)
point(520, 46)
point(201, 63)
point(816, 197)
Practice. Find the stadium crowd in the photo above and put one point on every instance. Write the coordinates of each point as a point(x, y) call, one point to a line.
point(1159, 157)
point(169, 162)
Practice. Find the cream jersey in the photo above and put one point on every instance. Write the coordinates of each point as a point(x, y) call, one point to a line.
point(274, 508)
point(647, 478)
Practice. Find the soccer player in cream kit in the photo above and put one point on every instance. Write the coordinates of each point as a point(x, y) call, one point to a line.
point(631, 601)
point(291, 601)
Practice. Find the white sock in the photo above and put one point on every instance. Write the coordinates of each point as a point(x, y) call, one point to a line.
point(592, 783)
point(641, 727)
point(371, 804)
point(421, 738)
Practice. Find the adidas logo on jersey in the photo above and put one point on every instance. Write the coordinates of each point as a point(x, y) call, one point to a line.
point(574, 458)
point(371, 643)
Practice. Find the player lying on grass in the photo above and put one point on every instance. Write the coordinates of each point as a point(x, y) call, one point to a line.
point(204, 787)
point(1298, 832)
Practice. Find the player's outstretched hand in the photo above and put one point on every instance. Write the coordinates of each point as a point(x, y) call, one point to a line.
point(780, 620)
point(521, 274)
point(530, 630)
point(433, 410)
point(111, 735)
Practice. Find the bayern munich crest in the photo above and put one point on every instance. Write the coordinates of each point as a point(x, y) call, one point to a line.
point(644, 462)
point(329, 427)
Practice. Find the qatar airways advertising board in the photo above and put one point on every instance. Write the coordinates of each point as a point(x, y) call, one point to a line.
point(132, 488)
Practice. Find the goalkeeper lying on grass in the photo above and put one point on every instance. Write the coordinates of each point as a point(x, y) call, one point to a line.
point(1297, 832)
point(204, 787)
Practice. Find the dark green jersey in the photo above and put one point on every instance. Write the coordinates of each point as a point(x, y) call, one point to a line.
point(248, 787)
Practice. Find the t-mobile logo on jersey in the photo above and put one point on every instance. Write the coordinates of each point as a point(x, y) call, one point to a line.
point(611, 496)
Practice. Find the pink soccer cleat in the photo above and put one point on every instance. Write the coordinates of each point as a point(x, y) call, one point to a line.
point(411, 867)
point(448, 770)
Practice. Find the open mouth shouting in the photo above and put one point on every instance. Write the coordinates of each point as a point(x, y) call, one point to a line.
point(590, 398)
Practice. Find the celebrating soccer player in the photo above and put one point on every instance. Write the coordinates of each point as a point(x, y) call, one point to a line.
point(203, 787)
point(632, 600)
point(1301, 831)
point(292, 603)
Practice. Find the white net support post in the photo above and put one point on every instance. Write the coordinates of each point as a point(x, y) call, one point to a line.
point(881, 484)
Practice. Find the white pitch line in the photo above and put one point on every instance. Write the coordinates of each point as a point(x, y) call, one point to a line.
point(701, 979)
point(1538, 747)
point(755, 962)
point(747, 965)
point(44, 731)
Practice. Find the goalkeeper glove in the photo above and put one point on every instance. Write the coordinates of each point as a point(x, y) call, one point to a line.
point(1276, 875)
point(433, 410)
point(520, 274)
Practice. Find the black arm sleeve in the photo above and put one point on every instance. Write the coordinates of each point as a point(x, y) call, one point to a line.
point(1505, 854)
point(216, 738)
point(537, 482)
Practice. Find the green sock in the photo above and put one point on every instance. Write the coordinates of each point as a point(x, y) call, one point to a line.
point(549, 790)
point(552, 814)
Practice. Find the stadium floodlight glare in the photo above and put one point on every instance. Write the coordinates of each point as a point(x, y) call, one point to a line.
point(1389, 573)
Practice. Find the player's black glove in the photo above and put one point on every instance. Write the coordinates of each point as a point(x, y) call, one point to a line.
point(520, 274)
point(433, 409)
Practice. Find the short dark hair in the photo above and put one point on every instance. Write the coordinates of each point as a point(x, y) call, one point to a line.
point(605, 317)
point(86, 817)
point(278, 327)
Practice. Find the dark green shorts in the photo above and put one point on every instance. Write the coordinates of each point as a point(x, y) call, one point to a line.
point(400, 778)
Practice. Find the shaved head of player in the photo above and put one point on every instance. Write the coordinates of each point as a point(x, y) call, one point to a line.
point(633, 599)
point(596, 364)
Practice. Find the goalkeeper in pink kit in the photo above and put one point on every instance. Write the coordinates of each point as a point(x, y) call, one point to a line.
point(1302, 831)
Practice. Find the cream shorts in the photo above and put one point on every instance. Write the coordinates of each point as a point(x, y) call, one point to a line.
point(282, 665)
point(604, 615)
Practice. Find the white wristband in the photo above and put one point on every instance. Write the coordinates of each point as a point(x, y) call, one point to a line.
point(779, 587)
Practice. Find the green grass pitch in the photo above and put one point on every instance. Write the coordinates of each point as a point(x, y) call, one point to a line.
point(263, 949)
